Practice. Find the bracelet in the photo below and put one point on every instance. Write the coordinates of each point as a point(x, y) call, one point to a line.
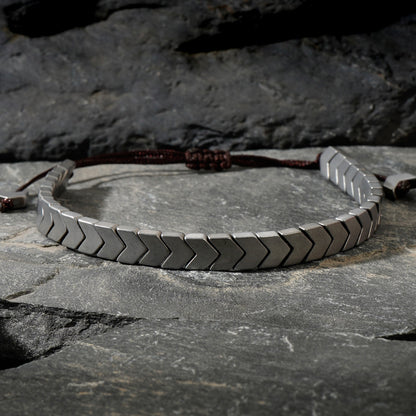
point(230, 252)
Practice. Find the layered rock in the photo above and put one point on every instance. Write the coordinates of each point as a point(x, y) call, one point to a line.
point(84, 77)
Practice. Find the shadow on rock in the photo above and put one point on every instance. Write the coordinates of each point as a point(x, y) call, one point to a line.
point(12, 354)
point(29, 332)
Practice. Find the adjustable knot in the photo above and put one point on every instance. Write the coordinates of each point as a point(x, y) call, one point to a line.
point(397, 186)
point(11, 200)
point(6, 204)
point(207, 159)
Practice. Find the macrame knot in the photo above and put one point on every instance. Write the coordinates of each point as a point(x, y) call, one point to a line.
point(6, 204)
point(207, 159)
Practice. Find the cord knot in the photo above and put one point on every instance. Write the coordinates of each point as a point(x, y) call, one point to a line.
point(6, 204)
point(397, 186)
point(207, 159)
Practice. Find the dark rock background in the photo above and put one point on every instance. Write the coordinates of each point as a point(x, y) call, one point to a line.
point(80, 77)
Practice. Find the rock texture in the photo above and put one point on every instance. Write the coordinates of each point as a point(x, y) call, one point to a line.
point(206, 368)
point(80, 335)
point(28, 332)
point(83, 77)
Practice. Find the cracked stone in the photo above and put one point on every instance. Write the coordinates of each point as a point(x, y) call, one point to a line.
point(94, 76)
point(29, 332)
point(404, 336)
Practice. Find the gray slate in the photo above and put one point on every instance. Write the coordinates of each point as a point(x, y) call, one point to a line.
point(211, 368)
point(83, 77)
point(331, 294)
point(349, 318)
point(29, 332)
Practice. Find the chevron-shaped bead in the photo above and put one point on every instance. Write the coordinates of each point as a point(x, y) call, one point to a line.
point(60, 171)
point(349, 181)
point(333, 168)
point(69, 165)
point(341, 171)
point(157, 252)
point(365, 220)
point(113, 245)
point(92, 242)
point(205, 253)
point(39, 215)
point(58, 229)
point(53, 176)
point(320, 238)
point(357, 185)
point(338, 233)
point(324, 160)
point(230, 251)
point(371, 208)
point(277, 247)
point(40, 212)
point(44, 192)
point(376, 200)
point(134, 248)
point(239, 251)
point(254, 250)
point(180, 254)
point(354, 230)
point(74, 236)
point(46, 222)
point(301, 245)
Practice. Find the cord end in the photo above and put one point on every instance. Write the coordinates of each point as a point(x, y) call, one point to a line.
point(396, 186)
point(12, 200)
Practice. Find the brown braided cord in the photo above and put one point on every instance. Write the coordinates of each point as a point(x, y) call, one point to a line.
point(197, 159)
point(264, 161)
point(207, 159)
point(142, 157)
point(6, 204)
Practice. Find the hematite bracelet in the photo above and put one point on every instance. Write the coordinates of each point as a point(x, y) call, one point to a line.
point(232, 252)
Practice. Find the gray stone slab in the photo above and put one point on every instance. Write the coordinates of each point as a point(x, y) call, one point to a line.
point(29, 332)
point(17, 280)
point(329, 311)
point(210, 368)
point(329, 294)
point(237, 81)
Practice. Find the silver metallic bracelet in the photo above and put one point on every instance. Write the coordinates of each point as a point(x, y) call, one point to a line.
point(231, 252)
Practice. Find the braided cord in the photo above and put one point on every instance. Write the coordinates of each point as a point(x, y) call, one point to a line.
point(215, 160)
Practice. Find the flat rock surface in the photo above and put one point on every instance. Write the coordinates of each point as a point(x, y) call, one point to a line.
point(82, 77)
point(329, 337)
point(211, 368)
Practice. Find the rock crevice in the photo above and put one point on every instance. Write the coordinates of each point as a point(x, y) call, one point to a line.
point(29, 332)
